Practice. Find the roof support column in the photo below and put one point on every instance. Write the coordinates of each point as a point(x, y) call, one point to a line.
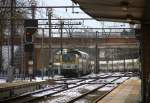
point(145, 62)
point(145, 54)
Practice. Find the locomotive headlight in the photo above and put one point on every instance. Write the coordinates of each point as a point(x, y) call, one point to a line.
point(80, 60)
point(57, 64)
point(92, 62)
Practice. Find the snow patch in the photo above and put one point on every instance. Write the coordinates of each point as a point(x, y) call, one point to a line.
point(2, 81)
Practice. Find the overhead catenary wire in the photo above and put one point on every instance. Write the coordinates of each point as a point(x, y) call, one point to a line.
point(41, 7)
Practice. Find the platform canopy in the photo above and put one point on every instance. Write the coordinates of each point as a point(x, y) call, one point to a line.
point(113, 10)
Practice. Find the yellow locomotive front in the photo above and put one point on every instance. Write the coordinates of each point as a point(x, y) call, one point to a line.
point(71, 63)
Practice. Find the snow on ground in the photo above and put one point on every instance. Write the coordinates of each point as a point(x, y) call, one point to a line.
point(73, 81)
point(91, 87)
point(43, 93)
point(2, 81)
point(106, 80)
point(103, 75)
point(134, 78)
point(108, 87)
point(110, 79)
point(65, 96)
point(86, 81)
point(118, 74)
point(82, 101)
point(62, 99)
point(39, 79)
point(89, 75)
point(47, 92)
point(111, 86)
point(122, 79)
point(68, 81)
point(98, 75)
point(71, 85)
point(58, 76)
point(61, 81)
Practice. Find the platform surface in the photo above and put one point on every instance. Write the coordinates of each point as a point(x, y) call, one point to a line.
point(128, 92)
point(18, 84)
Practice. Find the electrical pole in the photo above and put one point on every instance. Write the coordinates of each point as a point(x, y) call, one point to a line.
point(61, 45)
point(133, 69)
point(31, 54)
point(42, 54)
point(50, 35)
point(11, 68)
point(33, 7)
point(124, 63)
point(107, 61)
point(112, 64)
point(12, 32)
point(96, 54)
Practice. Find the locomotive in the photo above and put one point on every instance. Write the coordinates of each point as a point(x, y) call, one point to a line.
point(72, 63)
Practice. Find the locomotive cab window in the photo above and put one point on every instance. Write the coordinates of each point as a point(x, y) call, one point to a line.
point(69, 57)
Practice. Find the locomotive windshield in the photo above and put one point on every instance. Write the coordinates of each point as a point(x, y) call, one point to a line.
point(69, 57)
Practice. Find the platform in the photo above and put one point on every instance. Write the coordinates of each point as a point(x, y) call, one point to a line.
point(18, 84)
point(128, 92)
point(13, 89)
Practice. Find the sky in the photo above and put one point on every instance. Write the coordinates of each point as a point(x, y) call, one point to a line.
point(67, 13)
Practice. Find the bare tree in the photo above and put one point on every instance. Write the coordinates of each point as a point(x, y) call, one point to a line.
point(5, 19)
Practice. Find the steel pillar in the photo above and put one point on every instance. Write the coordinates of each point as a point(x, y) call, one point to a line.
point(145, 53)
point(96, 55)
point(12, 32)
point(61, 44)
point(124, 65)
point(145, 62)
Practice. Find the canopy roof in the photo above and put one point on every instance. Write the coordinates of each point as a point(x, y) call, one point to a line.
point(113, 10)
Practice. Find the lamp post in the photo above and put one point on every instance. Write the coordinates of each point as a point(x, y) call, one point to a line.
point(49, 14)
point(42, 54)
point(61, 45)
point(96, 55)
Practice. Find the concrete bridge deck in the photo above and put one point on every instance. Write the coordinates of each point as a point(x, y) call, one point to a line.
point(55, 42)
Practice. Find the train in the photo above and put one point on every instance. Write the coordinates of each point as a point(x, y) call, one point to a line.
point(72, 63)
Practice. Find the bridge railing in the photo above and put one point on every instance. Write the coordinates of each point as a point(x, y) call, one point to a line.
point(102, 33)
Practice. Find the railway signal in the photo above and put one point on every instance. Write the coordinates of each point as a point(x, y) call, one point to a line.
point(30, 26)
point(29, 47)
point(29, 35)
point(30, 29)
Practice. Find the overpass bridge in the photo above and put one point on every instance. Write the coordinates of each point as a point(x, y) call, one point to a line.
point(113, 42)
point(69, 42)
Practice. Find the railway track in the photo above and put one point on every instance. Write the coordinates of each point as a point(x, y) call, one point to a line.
point(91, 92)
point(48, 92)
point(23, 96)
point(32, 96)
point(70, 96)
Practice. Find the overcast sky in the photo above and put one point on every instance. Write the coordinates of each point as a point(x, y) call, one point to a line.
point(67, 13)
